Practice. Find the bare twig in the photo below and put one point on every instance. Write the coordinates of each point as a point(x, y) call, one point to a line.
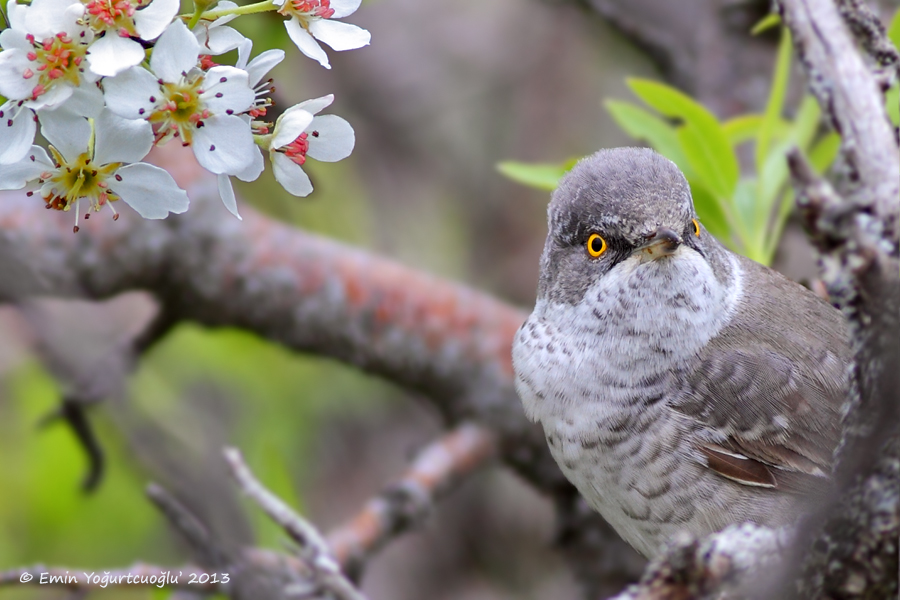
point(853, 102)
point(313, 549)
point(870, 32)
point(404, 503)
point(849, 549)
point(194, 532)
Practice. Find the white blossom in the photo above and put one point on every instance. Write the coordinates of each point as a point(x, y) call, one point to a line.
point(99, 164)
point(215, 37)
point(43, 58)
point(300, 134)
point(117, 22)
point(179, 99)
point(311, 20)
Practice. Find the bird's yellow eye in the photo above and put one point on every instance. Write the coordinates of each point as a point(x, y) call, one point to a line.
point(596, 245)
point(696, 227)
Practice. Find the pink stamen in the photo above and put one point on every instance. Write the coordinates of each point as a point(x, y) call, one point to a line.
point(28, 74)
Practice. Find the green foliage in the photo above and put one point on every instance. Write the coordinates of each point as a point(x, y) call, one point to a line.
point(540, 176)
point(746, 212)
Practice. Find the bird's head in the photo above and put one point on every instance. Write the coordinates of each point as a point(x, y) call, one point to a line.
point(618, 211)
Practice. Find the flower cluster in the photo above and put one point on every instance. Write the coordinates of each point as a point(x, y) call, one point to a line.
point(106, 80)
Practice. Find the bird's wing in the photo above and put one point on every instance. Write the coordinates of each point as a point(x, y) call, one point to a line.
point(761, 417)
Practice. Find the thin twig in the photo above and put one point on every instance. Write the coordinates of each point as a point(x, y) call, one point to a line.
point(312, 549)
point(406, 502)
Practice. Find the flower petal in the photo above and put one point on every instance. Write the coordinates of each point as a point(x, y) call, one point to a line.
point(219, 40)
point(175, 52)
point(254, 168)
point(12, 38)
point(16, 13)
point(342, 8)
point(121, 140)
point(17, 131)
point(305, 42)
point(13, 65)
point(340, 36)
point(113, 53)
point(289, 125)
point(291, 177)
point(335, 139)
point(66, 131)
point(226, 192)
point(53, 97)
point(223, 144)
point(227, 88)
point(151, 21)
point(18, 174)
point(128, 93)
point(262, 64)
point(150, 191)
point(315, 105)
point(86, 100)
point(46, 18)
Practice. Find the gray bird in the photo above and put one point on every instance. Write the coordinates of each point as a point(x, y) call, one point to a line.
point(681, 387)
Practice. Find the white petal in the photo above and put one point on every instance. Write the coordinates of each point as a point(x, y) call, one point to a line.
point(11, 38)
point(175, 52)
point(128, 93)
point(16, 13)
point(316, 104)
point(86, 100)
point(289, 174)
point(16, 175)
point(66, 131)
point(342, 8)
point(219, 40)
point(151, 21)
point(226, 192)
point(150, 191)
point(254, 168)
point(53, 97)
point(340, 36)
point(335, 140)
point(223, 144)
point(226, 88)
point(17, 130)
point(305, 42)
point(121, 140)
point(46, 18)
point(289, 125)
point(113, 53)
point(227, 4)
point(262, 64)
point(13, 64)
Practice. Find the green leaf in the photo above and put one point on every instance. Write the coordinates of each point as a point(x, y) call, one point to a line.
point(542, 176)
point(766, 23)
point(823, 152)
point(774, 104)
point(893, 31)
point(643, 125)
point(710, 153)
point(806, 123)
point(705, 163)
point(892, 101)
point(709, 211)
point(742, 129)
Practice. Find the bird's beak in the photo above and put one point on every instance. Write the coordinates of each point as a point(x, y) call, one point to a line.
point(660, 243)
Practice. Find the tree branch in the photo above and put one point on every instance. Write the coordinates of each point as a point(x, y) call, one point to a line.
point(405, 503)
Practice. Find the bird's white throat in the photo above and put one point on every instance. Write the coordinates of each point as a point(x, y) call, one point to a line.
point(637, 321)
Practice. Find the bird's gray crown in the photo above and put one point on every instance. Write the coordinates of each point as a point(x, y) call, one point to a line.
point(626, 191)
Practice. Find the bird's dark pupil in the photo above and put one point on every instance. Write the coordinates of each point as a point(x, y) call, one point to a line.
point(596, 245)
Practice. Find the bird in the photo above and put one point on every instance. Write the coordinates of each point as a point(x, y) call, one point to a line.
point(681, 387)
